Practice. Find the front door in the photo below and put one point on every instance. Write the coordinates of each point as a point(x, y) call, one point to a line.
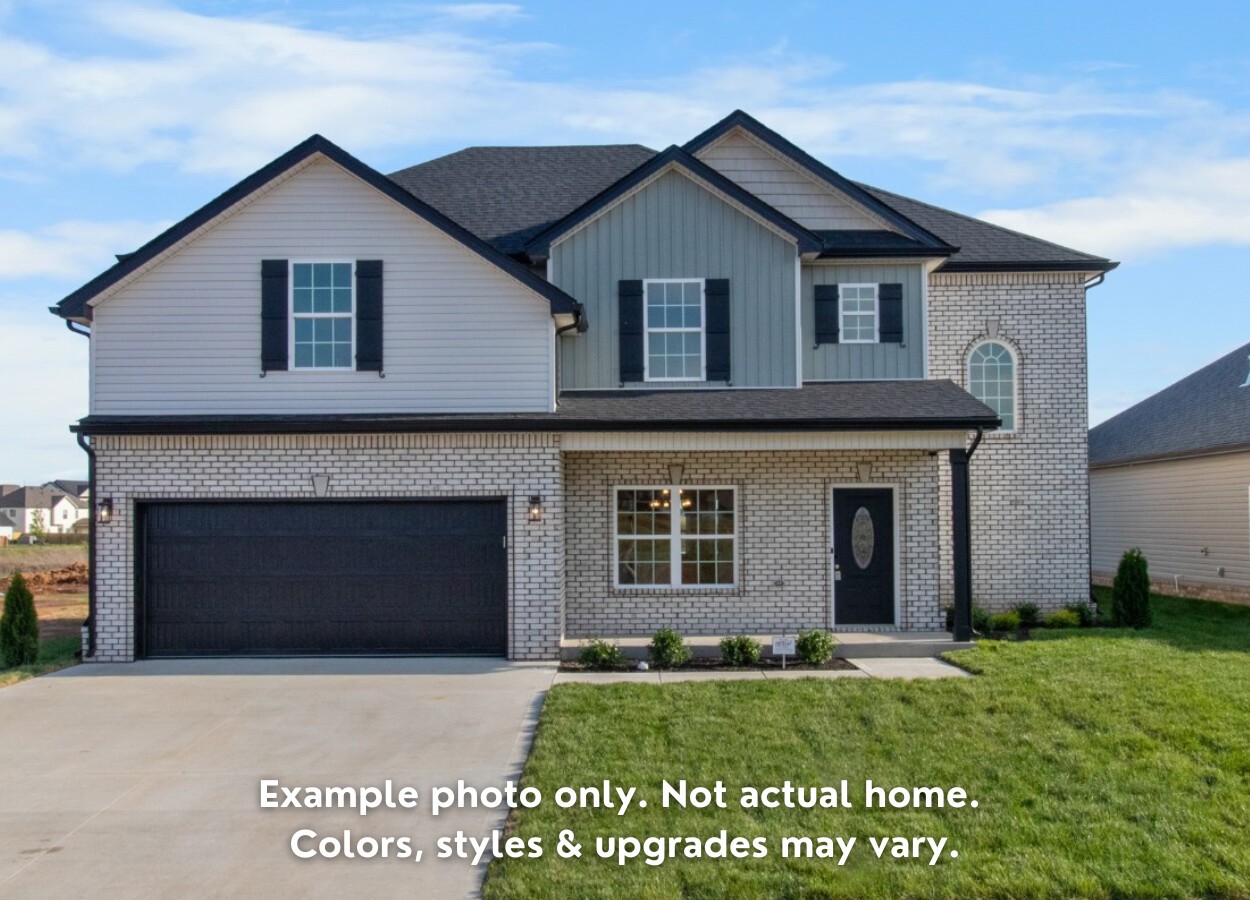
point(863, 556)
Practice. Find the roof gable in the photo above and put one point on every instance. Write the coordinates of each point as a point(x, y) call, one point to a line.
point(1208, 411)
point(75, 305)
point(676, 158)
point(765, 135)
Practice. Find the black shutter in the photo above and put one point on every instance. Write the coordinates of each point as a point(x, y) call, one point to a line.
point(368, 315)
point(827, 326)
point(629, 297)
point(890, 298)
point(273, 315)
point(716, 329)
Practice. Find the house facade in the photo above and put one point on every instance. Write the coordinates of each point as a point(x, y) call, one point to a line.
point(514, 396)
point(1171, 476)
point(33, 509)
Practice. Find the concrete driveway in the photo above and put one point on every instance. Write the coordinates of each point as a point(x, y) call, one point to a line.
point(143, 780)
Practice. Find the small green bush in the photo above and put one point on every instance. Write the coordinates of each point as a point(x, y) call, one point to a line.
point(1085, 614)
point(1029, 615)
point(19, 626)
point(1130, 593)
point(599, 654)
point(980, 618)
point(1063, 618)
point(740, 650)
point(668, 650)
point(814, 647)
point(1005, 621)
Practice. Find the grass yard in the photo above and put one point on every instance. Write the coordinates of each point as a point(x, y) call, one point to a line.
point(60, 619)
point(1106, 763)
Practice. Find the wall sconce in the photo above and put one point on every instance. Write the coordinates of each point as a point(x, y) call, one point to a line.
point(536, 508)
point(104, 511)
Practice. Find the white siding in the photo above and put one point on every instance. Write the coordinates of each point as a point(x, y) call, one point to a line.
point(1172, 510)
point(184, 338)
point(783, 186)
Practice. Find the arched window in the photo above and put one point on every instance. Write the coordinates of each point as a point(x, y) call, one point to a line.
point(992, 379)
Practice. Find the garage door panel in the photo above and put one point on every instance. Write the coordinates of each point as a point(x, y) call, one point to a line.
point(324, 578)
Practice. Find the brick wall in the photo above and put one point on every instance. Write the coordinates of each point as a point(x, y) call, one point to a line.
point(783, 540)
point(514, 466)
point(1030, 490)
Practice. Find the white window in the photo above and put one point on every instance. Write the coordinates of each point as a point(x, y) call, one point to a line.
point(673, 320)
point(690, 541)
point(992, 380)
point(323, 304)
point(857, 307)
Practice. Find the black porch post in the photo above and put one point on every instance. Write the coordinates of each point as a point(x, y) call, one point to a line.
point(961, 535)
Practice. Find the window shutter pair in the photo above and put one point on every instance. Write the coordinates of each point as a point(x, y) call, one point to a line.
point(275, 315)
point(889, 311)
point(632, 335)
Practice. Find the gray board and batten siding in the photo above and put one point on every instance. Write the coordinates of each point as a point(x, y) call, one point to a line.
point(850, 362)
point(676, 228)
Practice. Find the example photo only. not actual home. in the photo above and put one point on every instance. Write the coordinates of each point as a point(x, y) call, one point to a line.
point(516, 396)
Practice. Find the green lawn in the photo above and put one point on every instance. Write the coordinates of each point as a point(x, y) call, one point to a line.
point(54, 653)
point(1106, 763)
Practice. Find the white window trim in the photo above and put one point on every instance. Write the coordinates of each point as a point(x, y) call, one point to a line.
point(1015, 381)
point(647, 329)
point(674, 537)
point(290, 315)
point(876, 313)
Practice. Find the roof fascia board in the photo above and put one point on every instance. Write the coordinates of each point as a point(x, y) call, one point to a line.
point(540, 244)
point(740, 119)
point(1125, 462)
point(1093, 267)
point(74, 303)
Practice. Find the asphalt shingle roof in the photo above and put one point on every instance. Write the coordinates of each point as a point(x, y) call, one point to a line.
point(29, 498)
point(507, 195)
point(1206, 411)
point(826, 406)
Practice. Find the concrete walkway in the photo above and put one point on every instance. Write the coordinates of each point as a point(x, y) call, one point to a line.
point(877, 667)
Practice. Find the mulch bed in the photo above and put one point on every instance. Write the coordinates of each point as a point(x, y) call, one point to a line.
point(712, 662)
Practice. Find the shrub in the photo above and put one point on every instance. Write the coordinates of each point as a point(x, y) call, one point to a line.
point(668, 650)
point(1063, 618)
point(1029, 615)
point(1005, 621)
point(19, 627)
point(980, 618)
point(740, 650)
point(1130, 593)
point(1084, 612)
point(599, 654)
point(814, 647)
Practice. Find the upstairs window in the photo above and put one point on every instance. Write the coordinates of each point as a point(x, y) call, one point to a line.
point(859, 323)
point(323, 304)
point(673, 321)
point(992, 380)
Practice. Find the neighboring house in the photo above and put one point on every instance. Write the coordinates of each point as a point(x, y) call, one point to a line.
point(517, 395)
point(71, 486)
point(1171, 475)
point(27, 509)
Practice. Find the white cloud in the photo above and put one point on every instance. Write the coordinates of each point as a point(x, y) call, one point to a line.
point(71, 249)
point(1189, 203)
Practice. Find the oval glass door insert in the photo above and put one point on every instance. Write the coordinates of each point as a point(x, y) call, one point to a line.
point(863, 537)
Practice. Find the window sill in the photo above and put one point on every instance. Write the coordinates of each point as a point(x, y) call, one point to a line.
point(727, 590)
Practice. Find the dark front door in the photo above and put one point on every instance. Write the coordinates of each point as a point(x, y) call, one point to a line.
point(320, 578)
point(863, 556)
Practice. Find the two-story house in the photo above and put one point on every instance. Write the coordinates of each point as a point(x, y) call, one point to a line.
point(516, 395)
point(31, 510)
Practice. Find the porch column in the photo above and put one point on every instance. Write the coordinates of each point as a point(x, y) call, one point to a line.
point(961, 540)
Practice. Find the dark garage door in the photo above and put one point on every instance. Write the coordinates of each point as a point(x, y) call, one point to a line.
point(227, 579)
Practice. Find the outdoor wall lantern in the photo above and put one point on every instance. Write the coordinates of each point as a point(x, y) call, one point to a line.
point(536, 508)
point(104, 512)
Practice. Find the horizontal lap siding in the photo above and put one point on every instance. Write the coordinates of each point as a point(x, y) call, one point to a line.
point(781, 185)
point(185, 337)
point(846, 362)
point(674, 228)
point(1172, 510)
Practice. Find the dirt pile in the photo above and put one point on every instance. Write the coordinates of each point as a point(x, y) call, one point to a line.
point(72, 578)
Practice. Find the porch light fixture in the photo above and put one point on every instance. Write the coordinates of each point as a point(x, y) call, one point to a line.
point(536, 508)
point(104, 511)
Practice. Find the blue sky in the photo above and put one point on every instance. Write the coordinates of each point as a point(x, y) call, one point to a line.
point(1092, 124)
